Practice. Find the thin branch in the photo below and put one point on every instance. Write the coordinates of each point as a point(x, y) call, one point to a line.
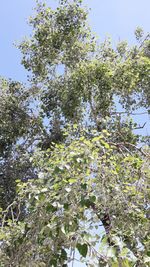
point(129, 113)
point(140, 127)
point(12, 214)
point(118, 145)
point(73, 258)
point(101, 256)
point(6, 212)
point(145, 39)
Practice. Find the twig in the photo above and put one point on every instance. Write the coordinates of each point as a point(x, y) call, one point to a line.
point(12, 214)
point(129, 113)
point(98, 254)
point(73, 258)
point(6, 212)
point(140, 127)
point(129, 144)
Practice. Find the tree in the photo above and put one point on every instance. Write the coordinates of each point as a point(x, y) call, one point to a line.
point(91, 192)
point(18, 129)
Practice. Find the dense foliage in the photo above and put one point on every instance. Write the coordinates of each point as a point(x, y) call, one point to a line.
point(74, 174)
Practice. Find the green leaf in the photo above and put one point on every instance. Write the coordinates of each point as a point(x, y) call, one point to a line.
point(92, 199)
point(50, 208)
point(53, 262)
point(111, 252)
point(106, 145)
point(148, 253)
point(83, 249)
point(68, 189)
point(63, 254)
point(146, 259)
point(66, 206)
point(84, 186)
point(72, 181)
point(44, 190)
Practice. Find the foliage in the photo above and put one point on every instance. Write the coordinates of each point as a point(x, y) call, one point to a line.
point(18, 129)
point(79, 182)
point(78, 70)
point(74, 175)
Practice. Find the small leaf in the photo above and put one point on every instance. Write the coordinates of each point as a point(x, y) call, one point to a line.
point(83, 249)
point(63, 254)
point(84, 186)
point(106, 145)
point(92, 198)
point(44, 190)
point(50, 208)
point(146, 259)
point(72, 180)
point(66, 206)
point(53, 262)
point(67, 166)
point(68, 189)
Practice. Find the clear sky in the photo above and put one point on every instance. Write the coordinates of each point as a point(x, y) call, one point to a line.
point(119, 18)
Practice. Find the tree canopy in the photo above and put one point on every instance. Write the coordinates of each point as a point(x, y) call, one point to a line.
point(74, 173)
